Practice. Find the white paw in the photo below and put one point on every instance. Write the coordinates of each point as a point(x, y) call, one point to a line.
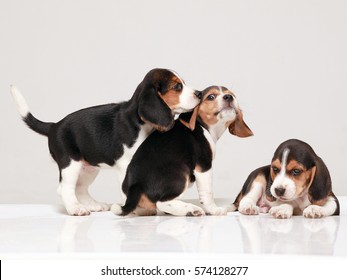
point(217, 211)
point(98, 207)
point(280, 212)
point(116, 209)
point(193, 210)
point(77, 210)
point(248, 208)
point(314, 212)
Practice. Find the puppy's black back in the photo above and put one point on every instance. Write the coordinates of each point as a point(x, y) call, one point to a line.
point(164, 164)
point(94, 134)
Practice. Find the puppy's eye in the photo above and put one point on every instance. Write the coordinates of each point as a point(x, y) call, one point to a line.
point(178, 87)
point(211, 97)
point(275, 169)
point(296, 172)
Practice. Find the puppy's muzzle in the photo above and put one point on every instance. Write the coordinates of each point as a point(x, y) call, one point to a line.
point(228, 97)
point(280, 191)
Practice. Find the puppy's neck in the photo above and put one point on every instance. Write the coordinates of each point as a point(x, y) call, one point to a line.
point(216, 130)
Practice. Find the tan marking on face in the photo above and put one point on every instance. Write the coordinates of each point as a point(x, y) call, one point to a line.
point(209, 108)
point(172, 96)
point(276, 163)
point(146, 203)
point(302, 180)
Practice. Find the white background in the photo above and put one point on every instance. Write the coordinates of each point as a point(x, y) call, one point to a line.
point(285, 60)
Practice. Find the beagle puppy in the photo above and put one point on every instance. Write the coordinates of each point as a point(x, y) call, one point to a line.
point(108, 135)
point(168, 163)
point(297, 182)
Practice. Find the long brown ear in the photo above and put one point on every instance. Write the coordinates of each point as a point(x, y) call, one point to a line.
point(153, 110)
point(239, 127)
point(320, 184)
point(192, 121)
point(313, 174)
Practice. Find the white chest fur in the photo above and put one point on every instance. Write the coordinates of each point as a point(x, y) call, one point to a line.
point(210, 140)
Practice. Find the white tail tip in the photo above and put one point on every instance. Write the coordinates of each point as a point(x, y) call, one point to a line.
point(116, 209)
point(22, 106)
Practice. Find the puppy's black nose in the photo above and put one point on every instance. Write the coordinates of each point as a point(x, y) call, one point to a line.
point(280, 191)
point(198, 94)
point(228, 97)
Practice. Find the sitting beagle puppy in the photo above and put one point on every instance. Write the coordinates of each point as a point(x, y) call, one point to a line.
point(168, 163)
point(108, 135)
point(297, 182)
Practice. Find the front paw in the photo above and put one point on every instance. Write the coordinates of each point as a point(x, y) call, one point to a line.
point(314, 212)
point(281, 212)
point(247, 207)
point(217, 211)
point(77, 210)
point(194, 211)
point(98, 206)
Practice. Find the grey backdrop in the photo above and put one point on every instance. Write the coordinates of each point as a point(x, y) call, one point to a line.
point(285, 60)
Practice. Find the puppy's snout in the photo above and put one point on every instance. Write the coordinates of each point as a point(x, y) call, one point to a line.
point(228, 97)
point(280, 191)
point(198, 94)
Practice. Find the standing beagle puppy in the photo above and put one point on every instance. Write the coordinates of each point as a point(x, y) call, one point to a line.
point(168, 163)
point(108, 135)
point(297, 182)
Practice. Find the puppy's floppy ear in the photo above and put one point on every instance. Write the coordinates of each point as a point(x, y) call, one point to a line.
point(153, 110)
point(320, 184)
point(269, 182)
point(239, 127)
point(192, 121)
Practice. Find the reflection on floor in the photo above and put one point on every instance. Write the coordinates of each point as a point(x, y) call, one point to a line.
point(45, 229)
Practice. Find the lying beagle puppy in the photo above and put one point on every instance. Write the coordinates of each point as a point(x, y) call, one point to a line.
point(297, 182)
point(168, 163)
point(108, 135)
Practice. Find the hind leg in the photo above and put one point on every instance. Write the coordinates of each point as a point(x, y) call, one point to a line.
point(67, 189)
point(179, 208)
point(86, 177)
point(144, 207)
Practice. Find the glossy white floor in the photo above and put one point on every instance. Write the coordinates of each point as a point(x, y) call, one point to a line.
point(45, 230)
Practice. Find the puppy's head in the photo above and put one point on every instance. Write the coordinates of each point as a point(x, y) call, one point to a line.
point(219, 110)
point(296, 170)
point(161, 94)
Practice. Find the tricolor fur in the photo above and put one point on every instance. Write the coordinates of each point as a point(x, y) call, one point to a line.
point(108, 135)
point(166, 164)
point(297, 182)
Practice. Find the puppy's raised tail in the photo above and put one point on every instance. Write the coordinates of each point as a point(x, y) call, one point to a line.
point(133, 199)
point(38, 126)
